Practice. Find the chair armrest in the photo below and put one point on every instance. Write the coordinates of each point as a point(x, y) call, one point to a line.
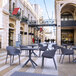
point(17, 51)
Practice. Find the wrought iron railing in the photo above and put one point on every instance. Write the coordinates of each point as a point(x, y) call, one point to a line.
point(69, 23)
point(32, 22)
point(16, 16)
point(24, 19)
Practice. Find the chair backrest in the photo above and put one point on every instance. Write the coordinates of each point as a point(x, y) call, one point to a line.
point(49, 54)
point(42, 48)
point(53, 52)
point(66, 51)
point(10, 50)
point(55, 46)
point(64, 45)
point(40, 45)
point(22, 47)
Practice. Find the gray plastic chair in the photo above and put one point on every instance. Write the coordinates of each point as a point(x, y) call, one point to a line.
point(22, 47)
point(42, 48)
point(49, 54)
point(11, 51)
point(55, 46)
point(66, 52)
point(65, 45)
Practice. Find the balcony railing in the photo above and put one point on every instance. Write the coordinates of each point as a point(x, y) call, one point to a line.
point(17, 16)
point(24, 20)
point(32, 22)
point(69, 23)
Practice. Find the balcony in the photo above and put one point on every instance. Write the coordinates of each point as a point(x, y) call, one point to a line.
point(32, 22)
point(14, 16)
point(24, 20)
point(70, 23)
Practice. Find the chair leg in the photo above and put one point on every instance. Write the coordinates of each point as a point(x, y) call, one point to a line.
point(69, 58)
point(42, 62)
point(73, 58)
point(60, 58)
point(13, 59)
point(55, 63)
point(39, 53)
point(19, 59)
point(63, 58)
point(10, 59)
point(6, 59)
point(59, 51)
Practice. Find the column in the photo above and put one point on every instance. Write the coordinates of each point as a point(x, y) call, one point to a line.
point(4, 23)
point(5, 32)
point(18, 33)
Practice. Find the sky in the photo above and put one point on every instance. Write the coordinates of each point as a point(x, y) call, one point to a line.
point(50, 7)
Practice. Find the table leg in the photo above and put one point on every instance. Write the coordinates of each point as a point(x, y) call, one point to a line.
point(33, 63)
point(26, 62)
point(34, 53)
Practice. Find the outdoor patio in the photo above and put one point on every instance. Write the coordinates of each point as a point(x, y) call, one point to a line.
point(65, 69)
point(7, 70)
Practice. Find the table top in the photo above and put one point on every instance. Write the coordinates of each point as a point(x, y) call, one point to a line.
point(30, 48)
point(29, 74)
point(33, 45)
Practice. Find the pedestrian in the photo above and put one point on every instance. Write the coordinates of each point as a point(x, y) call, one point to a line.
point(33, 40)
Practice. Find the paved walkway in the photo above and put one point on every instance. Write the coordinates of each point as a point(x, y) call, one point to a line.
point(7, 70)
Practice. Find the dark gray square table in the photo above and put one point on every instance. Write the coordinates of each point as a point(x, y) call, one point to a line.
point(33, 45)
point(29, 74)
point(30, 49)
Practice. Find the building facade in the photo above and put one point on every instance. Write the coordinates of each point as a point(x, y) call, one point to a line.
point(14, 29)
point(65, 14)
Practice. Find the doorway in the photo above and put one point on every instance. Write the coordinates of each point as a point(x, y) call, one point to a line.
point(11, 33)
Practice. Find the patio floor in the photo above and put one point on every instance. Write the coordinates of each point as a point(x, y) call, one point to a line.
point(7, 70)
point(65, 69)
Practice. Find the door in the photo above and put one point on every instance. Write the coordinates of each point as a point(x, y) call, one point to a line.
point(11, 33)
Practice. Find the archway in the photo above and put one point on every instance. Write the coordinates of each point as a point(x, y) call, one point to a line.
point(68, 18)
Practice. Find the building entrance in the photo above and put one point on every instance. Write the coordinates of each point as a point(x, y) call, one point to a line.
point(11, 33)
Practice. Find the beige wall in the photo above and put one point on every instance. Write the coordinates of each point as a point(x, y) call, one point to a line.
point(5, 20)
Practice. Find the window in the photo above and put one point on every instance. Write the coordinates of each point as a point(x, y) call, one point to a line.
point(28, 16)
point(10, 5)
point(31, 18)
point(13, 6)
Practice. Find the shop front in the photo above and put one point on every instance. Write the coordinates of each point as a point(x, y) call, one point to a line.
point(67, 36)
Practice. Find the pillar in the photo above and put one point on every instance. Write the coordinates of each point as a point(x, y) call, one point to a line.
point(4, 23)
point(18, 37)
point(58, 25)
